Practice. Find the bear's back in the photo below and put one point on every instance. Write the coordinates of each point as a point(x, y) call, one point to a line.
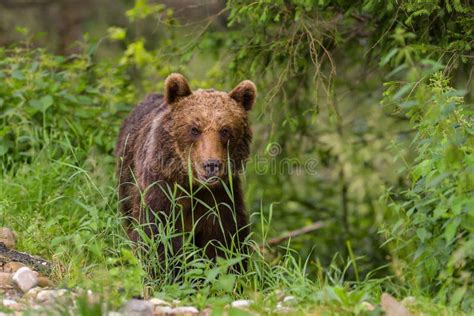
point(143, 111)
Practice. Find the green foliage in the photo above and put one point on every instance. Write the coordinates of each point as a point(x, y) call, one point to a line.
point(52, 99)
point(322, 68)
point(435, 233)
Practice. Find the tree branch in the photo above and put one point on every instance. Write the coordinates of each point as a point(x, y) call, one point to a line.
point(294, 233)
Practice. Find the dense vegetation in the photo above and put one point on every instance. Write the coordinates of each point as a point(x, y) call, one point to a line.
point(363, 123)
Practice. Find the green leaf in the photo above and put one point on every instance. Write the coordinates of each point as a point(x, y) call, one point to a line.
point(46, 102)
point(458, 295)
point(225, 283)
point(451, 228)
point(212, 275)
point(403, 91)
point(423, 234)
point(389, 56)
point(408, 104)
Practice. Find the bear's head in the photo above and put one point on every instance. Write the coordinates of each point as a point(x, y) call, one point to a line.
point(210, 128)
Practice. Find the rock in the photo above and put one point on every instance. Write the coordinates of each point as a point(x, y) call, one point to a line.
point(136, 307)
point(92, 298)
point(112, 313)
point(159, 302)
point(50, 296)
point(176, 302)
point(32, 294)
point(25, 279)
point(162, 310)
point(367, 306)
point(241, 303)
point(12, 304)
point(392, 307)
point(7, 237)
point(184, 310)
point(286, 302)
point(284, 310)
point(44, 282)
point(5, 280)
point(13, 266)
point(409, 301)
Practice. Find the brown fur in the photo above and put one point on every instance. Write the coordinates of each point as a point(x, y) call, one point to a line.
point(160, 137)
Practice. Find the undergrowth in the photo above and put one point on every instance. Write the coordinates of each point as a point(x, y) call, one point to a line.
point(58, 192)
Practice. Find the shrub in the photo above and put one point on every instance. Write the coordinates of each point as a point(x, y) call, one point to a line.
point(54, 99)
point(434, 237)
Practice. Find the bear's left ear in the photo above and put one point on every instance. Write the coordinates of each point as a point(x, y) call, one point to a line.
point(176, 86)
point(245, 94)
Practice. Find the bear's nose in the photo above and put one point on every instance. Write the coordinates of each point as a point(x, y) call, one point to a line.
point(212, 167)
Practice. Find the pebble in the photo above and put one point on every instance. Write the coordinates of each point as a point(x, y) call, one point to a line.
point(241, 303)
point(289, 299)
point(367, 306)
point(7, 237)
point(13, 266)
point(6, 279)
point(50, 296)
point(392, 307)
point(25, 279)
point(32, 294)
point(409, 301)
point(12, 304)
point(135, 307)
point(44, 282)
point(159, 302)
point(162, 310)
point(92, 298)
point(286, 302)
point(284, 310)
point(185, 310)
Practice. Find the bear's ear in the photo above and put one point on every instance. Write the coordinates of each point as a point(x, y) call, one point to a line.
point(245, 94)
point(176, 86)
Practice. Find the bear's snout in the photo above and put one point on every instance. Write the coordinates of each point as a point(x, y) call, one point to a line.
point(212, 167)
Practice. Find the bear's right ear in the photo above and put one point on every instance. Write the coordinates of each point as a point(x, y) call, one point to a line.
point(176, 86)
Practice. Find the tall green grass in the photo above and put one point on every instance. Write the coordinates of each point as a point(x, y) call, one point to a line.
point(66, 210)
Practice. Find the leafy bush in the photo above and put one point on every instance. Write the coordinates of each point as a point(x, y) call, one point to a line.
point(434, 237)
point(46, 98)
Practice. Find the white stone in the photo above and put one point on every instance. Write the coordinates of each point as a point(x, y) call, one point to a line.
point(136, 307)
point(50, 296)
point(33, 293)
point(392, 307)
point(112, 313)
point(25, 279)
point(12, 304)
point(9, 303)
point(241, 303)
point(284, 310)
point(159, 302)
point(185, 310)
point(162, 310)
point(409, 301)
point(367, 306)
point(289, 299)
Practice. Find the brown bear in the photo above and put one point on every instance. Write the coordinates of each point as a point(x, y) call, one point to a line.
point(163, 140)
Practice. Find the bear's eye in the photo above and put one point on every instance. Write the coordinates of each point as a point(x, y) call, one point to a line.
point(195, 131)
point(225, 133)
